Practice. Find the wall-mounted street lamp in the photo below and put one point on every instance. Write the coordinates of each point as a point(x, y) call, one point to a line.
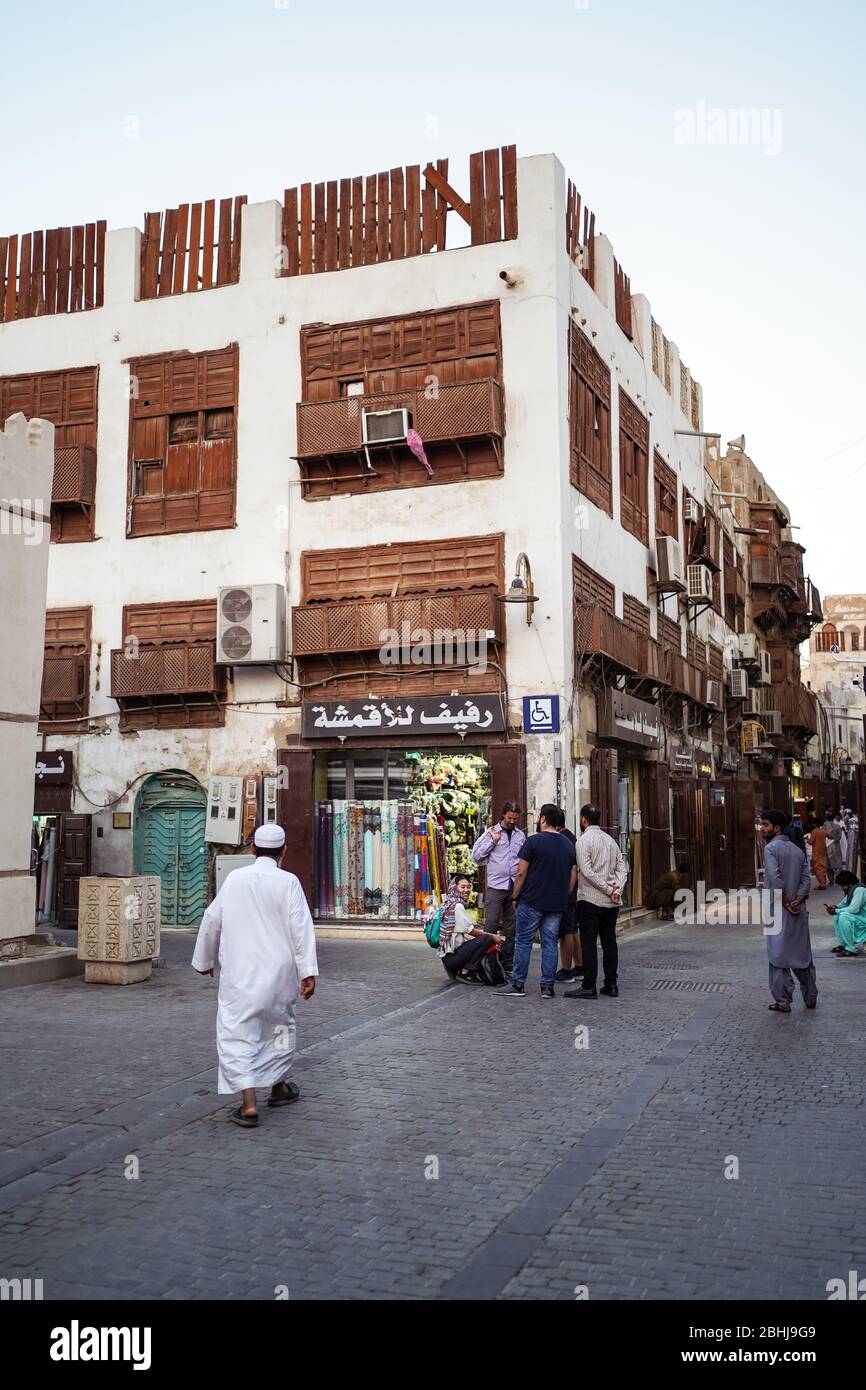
point(521, 589)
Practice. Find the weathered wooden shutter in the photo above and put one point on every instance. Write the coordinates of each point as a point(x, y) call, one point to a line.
point(743, 793)
point(415, 567)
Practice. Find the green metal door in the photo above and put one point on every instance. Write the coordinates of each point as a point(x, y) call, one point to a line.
point(169, 841)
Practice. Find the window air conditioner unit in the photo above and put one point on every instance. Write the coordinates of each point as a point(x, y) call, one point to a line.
point(700, 584)
point(738, 685)
point(748, 648)
point(251, 625)
point(691, 509)
point(714, 695)
point(765, 668)
point(385, 426)
point(772, 722)
point(669, 563)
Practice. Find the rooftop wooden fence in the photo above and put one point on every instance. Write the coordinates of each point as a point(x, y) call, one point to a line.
point(188, 248)
point(396, 213)
point(54, 272)
point(580, 247)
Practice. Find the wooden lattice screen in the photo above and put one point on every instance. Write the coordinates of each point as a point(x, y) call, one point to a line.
point(54, 272)
point(396, 213)
point(186, 248)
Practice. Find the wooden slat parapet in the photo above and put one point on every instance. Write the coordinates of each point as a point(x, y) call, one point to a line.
point(59, 271)
point(622, 296)
point(396, 213)
point(191, 247)
point(580, 244)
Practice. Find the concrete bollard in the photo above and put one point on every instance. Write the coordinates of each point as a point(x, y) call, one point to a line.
point(118, 928)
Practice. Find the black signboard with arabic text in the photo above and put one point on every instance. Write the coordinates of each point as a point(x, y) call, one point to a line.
point(461, 715)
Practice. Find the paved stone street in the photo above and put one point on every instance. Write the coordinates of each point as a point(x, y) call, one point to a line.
point(559, 1166)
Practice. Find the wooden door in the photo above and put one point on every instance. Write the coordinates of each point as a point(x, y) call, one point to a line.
point(169, 843)
point(73, 863)
point(744, 810)
point(295, 801)
point(719, 836)
point(507, 762)
point(603, 778)
point(656, 838)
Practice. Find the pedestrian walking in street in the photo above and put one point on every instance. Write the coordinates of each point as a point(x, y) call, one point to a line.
point(260, 930)
point(497, 849)
point(834, 832)
point(849, 915)
point(789, 947)
point(602, 874)
point(818, 842)
point(570, 958)
point(546, 875)
point(461, 943)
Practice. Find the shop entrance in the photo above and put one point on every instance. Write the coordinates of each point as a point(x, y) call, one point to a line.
point(391, 826)
point(61, 858)
point(168, 840)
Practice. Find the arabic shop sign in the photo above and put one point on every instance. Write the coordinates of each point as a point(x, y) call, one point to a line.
point(355, 718)
point(54, 768)
point(629, 720)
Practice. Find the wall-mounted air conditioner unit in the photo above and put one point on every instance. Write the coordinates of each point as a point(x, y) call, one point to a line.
point(749, 648)
point(251, 625)
point(669, 563)
point(772, 722)
point(385, 426)
point(765, 668)
point(738, 685)
point(715, 694)
point(700, 584)
point(691, 509)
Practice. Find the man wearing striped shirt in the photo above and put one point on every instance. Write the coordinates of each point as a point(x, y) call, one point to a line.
point(602, 875)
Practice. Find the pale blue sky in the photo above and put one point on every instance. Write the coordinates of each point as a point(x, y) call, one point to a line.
point(750, 258)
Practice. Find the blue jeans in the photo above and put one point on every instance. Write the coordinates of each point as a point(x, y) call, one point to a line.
point(529, 919)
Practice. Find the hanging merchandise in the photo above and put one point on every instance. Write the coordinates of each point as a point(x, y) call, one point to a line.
point(377, 860)
point(455, 789)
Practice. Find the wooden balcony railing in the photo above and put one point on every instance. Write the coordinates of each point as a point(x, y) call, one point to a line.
point(686, 678)
point(360, 625)
point(735, 586)
point(599, 634)
point(74, 475)
point(765, 569)
point(655, 662)
point(174, 668)
point(798, 706)
point(462, 410)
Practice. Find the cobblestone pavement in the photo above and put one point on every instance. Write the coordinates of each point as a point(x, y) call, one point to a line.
point(559, 1166)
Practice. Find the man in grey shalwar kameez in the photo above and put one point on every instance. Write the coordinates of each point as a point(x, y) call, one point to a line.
point(786, 876)
point(834, 845)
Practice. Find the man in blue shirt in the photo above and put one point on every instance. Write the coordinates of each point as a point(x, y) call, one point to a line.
point(546, 876)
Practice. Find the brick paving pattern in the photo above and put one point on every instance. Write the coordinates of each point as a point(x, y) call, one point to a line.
point(559, 1167)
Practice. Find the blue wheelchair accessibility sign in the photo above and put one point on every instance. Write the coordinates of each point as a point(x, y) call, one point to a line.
point(541, 714)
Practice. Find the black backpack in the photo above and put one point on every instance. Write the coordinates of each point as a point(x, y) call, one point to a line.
point(489, 970)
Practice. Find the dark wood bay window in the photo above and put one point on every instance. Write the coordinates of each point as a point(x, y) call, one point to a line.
point(164, 676)
point(183, 442)
point(589, 422)
point(351, 598)
point(667, 509)
point(65, 696)
point(443, 368)
point(633, 468)
point(68, 400)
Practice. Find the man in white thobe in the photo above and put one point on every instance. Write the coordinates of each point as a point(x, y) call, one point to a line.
point(260, 929)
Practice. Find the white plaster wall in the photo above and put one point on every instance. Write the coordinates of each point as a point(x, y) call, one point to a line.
point(26, 469)
point(533, 503)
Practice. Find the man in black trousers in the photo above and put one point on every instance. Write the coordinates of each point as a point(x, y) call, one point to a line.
point(602, 874)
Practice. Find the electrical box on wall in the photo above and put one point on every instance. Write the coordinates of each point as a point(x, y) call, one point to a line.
point(224, 825)
point(251, 806)
point(226, 864)
point(269, 801)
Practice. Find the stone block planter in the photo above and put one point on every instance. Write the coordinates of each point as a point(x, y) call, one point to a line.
point(118, 928)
